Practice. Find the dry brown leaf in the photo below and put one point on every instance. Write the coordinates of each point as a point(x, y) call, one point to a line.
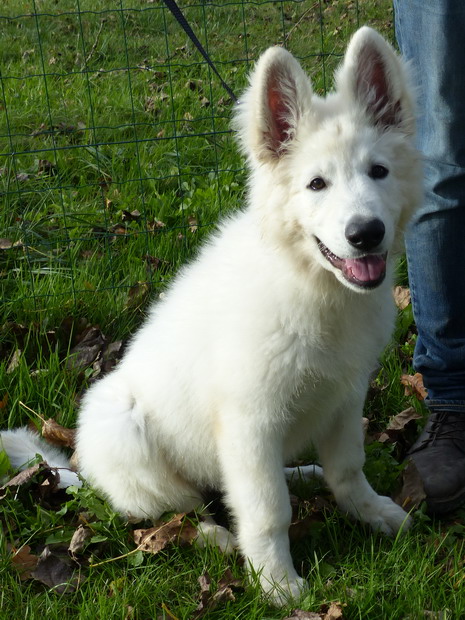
point(414, 385)
point(150, 104)
point(46, 168)
point(24, 476)
point(412, 493)
point(57, 434)
point(209, 600)
point(223, 101)
point(85, 352)
point(41, 474)
point(24, 561)
point(108, 358)
point(401, 297)
point(79, 540)
point(177, 530)
point(4, 401)
point(334, 612)
point(399, 421)
point(156, 225)
point(229, 580)
point(7, 244)
point(193, 224)
point(24, 176)
point(130, 216)
point(55, 572)
point(157, 264)
point(17, 329)
point(397, 424)
point(205, 584)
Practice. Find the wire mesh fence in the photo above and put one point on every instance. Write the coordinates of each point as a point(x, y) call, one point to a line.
point(115, 142)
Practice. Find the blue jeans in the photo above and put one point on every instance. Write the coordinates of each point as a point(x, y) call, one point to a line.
point(431, 34)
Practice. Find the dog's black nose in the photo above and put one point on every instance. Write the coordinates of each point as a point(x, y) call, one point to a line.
point(364, 234)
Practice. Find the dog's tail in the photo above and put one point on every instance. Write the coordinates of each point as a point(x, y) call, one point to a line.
point(23, 445)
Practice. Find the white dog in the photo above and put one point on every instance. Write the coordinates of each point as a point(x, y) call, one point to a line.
point(264, 343)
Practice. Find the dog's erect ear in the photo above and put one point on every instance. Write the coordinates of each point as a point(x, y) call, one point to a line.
point(269, 111)
point(376, 77)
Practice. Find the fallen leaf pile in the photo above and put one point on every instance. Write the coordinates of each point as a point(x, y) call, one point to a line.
point(56, 567)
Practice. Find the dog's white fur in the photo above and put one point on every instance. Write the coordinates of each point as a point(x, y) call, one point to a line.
point(261, 346)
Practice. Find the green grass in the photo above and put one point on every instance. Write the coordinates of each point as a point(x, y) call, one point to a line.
point(106, 110)
point(125, 115)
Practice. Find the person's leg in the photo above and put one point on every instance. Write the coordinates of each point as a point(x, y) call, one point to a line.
point(431, 34)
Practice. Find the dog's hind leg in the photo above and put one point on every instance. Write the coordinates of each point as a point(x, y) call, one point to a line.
point(210, 533)
point(121, 454)
point(303, 472)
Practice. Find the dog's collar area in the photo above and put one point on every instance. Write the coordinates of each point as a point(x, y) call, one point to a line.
point(366, 272)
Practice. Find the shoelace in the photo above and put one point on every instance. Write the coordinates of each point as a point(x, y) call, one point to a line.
point(445, 426)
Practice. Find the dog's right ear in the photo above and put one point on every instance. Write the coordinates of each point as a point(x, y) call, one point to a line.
point(269, 111)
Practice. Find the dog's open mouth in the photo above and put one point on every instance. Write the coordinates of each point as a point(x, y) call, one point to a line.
point(367, 271)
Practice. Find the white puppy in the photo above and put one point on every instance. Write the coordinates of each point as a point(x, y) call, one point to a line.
point(264, 344)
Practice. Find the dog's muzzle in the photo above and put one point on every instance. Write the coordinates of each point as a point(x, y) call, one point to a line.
point(366, 272)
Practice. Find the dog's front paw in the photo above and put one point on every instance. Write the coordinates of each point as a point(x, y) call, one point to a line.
point(385, 516)
point(285, 591)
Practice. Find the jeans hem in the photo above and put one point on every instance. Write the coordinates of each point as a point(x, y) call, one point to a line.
point(438, 405)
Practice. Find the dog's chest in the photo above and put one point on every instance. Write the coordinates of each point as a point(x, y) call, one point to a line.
point(320, 358)
point(327, 343)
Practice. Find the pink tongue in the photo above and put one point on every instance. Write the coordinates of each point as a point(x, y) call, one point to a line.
point(366, 269)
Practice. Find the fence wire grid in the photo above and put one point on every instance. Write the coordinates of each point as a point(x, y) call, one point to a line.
point(115, 142)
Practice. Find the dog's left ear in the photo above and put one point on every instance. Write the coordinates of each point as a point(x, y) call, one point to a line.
point(377, 77)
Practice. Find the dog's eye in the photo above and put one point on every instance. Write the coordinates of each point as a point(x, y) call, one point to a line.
point(378, 172)
point(317, 184)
